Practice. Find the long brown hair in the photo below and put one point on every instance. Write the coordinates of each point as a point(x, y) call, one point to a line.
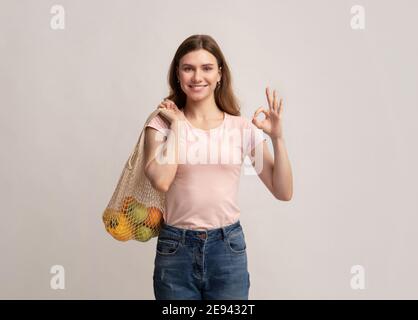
point(224, 96)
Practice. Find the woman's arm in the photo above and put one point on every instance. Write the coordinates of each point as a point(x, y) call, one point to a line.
point(276, 174)
point(161, 158)
point(282, 171)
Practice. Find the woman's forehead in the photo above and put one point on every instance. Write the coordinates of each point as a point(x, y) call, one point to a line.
point(198, 58)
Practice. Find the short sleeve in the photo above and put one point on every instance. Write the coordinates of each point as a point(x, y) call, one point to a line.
point(253, 136)
point(158, 123)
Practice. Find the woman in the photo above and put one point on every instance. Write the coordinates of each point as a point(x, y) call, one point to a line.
point(201, 249)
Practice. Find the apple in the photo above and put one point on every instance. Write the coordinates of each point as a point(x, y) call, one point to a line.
point(143, 233)
point(137, 213)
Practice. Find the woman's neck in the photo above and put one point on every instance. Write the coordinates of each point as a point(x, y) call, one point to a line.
point(202, 110)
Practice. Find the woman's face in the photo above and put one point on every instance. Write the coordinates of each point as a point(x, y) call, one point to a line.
point(198, 73)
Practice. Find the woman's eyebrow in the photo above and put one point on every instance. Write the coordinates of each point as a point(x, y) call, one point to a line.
point(206, 64)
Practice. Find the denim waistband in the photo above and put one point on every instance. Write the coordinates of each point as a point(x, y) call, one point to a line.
point(202, 234)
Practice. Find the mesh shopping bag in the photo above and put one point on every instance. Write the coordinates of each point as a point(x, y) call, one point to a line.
point(135, 211)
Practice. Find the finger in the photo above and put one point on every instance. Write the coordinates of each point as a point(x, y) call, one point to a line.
point(281, 106)
point(266, 113)
point(169, 103)
point(256, 122)
point(269, 98)
point(275, 103)
point(257, 112)
point(260, 110)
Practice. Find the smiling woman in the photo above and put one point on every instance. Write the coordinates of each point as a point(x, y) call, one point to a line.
point(201, 248)
point(195, 79)
point(199, 76)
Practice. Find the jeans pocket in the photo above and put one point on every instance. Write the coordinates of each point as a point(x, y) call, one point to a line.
point(167, 246)
point(236, 241)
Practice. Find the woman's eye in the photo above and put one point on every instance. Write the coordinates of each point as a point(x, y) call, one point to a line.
point(187, 68)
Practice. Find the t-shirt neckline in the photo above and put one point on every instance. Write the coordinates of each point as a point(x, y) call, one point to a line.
point(216, 128)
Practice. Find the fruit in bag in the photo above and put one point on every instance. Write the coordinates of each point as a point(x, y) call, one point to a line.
point(143, 233)
point(154, 219)
point(135, 211)
point(139, 213)
point(117, 225)
point(128, 204)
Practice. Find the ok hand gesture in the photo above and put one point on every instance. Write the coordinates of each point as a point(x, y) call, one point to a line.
point(272, 124)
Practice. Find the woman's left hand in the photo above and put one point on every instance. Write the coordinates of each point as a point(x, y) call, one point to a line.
point(272, 124)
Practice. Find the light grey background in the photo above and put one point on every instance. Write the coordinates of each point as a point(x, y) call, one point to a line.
point(73, 102)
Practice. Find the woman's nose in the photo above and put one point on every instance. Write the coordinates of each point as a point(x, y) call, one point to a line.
point(196, 76)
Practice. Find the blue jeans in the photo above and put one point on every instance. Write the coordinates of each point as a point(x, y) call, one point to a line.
point(201, 265)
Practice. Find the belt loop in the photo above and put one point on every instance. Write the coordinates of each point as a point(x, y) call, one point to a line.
point(223, 233)
point(183, 237)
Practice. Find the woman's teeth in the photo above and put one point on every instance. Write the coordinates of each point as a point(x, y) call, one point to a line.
point(198, 88)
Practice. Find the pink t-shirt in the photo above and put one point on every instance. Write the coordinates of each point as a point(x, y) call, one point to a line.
point(204, 192)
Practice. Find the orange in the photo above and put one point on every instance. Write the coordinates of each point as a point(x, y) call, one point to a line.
point(155, 218)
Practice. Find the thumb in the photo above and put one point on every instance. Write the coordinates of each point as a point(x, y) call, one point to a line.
point(256, 122)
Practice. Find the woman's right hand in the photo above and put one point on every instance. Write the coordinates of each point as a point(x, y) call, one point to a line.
point(170, 111)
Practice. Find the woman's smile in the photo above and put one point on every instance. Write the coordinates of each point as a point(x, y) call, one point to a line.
point(197, 88)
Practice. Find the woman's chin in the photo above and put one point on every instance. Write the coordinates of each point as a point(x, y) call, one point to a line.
point(196, 96)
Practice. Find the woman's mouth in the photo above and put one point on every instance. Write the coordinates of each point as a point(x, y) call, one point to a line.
point(197, 87)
